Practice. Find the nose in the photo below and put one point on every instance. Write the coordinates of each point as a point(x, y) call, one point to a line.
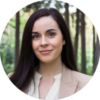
point(44, 41)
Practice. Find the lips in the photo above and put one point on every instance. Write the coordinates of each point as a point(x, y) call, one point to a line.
point(45, 51)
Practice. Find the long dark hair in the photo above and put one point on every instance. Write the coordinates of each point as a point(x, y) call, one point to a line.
point(27, 63)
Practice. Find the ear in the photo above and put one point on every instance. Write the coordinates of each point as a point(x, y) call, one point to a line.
point(63, 42)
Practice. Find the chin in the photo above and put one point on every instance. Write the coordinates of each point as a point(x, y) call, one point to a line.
point(46, 61)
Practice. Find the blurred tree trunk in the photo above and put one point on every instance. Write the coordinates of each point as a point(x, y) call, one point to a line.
point(83, 59)
point(97, 55)
point(17, 38)
point(67, 14)
point(77, 33)
point(94, 43)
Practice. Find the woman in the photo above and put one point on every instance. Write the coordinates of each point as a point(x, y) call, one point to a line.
point(46, 68)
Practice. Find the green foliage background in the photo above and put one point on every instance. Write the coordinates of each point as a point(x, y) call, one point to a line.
point(7, 46)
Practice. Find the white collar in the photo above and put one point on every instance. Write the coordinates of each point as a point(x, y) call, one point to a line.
point(38, 76)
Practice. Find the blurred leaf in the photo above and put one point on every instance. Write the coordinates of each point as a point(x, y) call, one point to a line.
point(12, 20)
point(5, 32)
point(58, 5)
point(13, 26)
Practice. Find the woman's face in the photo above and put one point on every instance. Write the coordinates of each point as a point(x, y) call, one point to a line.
point(47, 40)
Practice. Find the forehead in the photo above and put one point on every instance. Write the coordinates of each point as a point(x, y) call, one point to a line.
point(45, 23)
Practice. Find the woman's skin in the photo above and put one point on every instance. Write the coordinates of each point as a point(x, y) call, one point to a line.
point(46, 35)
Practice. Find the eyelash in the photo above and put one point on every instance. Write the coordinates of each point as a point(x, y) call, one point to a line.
point(52, 35)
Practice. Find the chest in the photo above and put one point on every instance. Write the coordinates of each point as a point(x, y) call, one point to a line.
point(44, 87)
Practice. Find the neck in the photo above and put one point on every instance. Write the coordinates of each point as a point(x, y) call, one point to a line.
point(50, 69)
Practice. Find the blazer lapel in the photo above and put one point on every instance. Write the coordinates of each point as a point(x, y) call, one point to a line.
point(67, 86)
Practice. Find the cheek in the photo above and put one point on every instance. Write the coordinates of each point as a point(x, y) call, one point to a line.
point(57, 41)
point(34, 46)
point(57, 44)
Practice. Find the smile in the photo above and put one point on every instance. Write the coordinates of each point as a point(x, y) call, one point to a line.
point(45, 52)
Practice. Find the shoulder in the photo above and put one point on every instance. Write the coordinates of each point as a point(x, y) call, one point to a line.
point(10, 74)
point(81, 78)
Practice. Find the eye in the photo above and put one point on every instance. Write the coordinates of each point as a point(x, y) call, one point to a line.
point(35, 37)
point(51, 34)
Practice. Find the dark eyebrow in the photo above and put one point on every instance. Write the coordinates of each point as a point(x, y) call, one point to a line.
point(46, 31)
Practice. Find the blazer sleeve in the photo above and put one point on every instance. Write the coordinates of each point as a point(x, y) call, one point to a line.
point(82, 84)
